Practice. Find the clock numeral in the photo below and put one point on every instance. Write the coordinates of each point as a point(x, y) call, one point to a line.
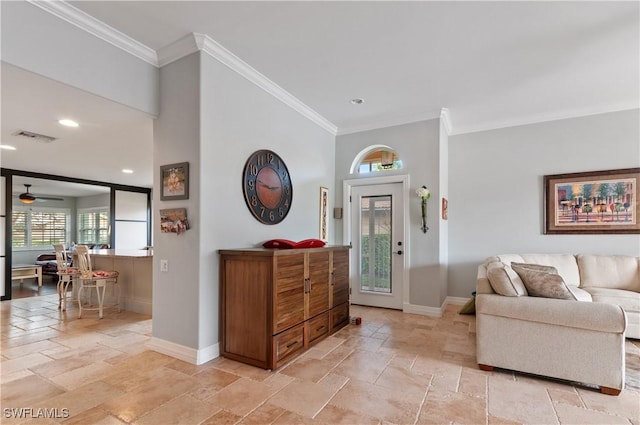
point(280, 212)
point(253, 169)
point(286, 190)
point(286, 203)
point(262, 210)
point(251, 184)
point(272, 216)
point(254, 200)
point(260, 161)
point(270, 157)
point(284, 177)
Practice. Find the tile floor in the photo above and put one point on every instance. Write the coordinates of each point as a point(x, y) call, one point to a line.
point(393, 369)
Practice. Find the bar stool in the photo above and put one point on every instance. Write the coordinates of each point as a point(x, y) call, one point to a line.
point(89, 278)
point(65, 273)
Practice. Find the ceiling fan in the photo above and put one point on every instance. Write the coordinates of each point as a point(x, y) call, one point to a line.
point(30, 198)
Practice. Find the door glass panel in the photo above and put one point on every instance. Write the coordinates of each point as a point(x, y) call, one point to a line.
point(375, 246)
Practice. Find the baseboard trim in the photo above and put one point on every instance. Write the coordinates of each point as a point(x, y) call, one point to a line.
point(138, 305)
point(455, 301)
point(181, 352)
point(433, 311)
point(422, 310)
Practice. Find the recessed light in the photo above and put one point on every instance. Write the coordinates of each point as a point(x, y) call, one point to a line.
point(357, 101)
point(8, 147)
point(68, 123)
point(127, 171)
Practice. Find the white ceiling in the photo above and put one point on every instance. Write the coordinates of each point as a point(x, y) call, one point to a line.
point(492, 64)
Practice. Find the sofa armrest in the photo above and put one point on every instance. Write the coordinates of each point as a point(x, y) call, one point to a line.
point(482, 282)
point(594, 316)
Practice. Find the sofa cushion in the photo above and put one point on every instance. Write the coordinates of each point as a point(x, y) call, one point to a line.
point(504, 280)
point(566, 265)
point(580, 294)
point(539, 267)
point(540, 283)
point(628, 300)
point(609, 271)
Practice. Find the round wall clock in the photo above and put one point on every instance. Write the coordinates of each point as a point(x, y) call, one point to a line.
point(267, 187)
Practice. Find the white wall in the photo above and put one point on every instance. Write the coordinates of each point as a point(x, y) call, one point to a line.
point(238, 119)
point(214, 118)
point(496, 188)
point(176, 138)
point(417, 145)
point(47, 45)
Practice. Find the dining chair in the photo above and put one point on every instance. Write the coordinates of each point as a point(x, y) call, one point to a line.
point(98, 279)
point(65, 273)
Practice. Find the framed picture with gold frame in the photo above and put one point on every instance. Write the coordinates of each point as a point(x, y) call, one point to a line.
point(595, 202)
point(324, 214)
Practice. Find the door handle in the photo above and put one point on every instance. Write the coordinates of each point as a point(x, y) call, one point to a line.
point(398, 252)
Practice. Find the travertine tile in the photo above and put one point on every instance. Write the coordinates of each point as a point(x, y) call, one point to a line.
point(265, 414)
point(520, 401)
point(450, 407)
point(222, 418)
point(418, 368)
point(181, 410)
point(576, 416)
point(242, 396)
point(373, 400)
point(305, 398)
point(335, 415)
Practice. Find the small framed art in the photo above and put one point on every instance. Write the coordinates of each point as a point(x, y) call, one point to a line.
point(174, 179)
point(324, 214)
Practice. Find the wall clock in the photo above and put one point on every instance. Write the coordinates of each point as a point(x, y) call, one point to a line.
point(267, 187)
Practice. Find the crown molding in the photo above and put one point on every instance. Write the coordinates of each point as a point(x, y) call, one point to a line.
point(224, 56)
point(445, 118)
point(98, 28)
point(547, 117)
point(392, 122)
point(178, 49)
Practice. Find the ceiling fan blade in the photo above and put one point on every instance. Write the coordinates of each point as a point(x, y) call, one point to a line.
point(49, 198)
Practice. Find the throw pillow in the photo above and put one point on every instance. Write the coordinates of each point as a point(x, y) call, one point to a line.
point(504, 280)
point(540, 267)
point(543, 284)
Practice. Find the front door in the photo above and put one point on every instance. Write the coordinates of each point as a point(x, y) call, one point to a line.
point(377, 223)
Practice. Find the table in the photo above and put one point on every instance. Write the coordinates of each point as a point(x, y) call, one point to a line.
point(26, 271)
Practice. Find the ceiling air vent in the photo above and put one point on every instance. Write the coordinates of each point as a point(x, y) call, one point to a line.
point(35, 136)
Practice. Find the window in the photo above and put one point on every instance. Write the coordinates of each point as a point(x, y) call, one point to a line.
point(35, 228)
point(93, 226)
point(374, 159)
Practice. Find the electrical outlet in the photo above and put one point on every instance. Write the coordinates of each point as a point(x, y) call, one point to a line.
point(164, 265)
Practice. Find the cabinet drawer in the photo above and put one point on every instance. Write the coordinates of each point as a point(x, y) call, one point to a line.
point(339, 316)
point(319, 326)
point(287, 343)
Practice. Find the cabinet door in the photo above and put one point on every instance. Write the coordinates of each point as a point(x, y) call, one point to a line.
point(340, 279)
point(289, 292)
point(319, 282)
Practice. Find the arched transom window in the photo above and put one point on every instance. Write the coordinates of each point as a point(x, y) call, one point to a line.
point(376, 158)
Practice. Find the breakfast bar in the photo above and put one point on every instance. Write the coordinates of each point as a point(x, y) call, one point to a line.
point(135, 269)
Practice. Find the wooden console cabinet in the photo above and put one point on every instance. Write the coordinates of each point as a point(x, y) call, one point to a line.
point(277, 303)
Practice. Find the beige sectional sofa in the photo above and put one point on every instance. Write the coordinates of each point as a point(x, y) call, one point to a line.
point(578, 339)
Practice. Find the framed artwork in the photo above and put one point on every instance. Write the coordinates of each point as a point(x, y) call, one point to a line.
point(324, 211)
point(175, 181)
point(595, 202)
point(445, 209)
point(174, 220)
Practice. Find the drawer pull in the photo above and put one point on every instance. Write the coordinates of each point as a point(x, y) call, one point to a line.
point(291, 344)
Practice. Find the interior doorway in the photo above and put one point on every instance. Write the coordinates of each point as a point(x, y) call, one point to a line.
point(376, 232)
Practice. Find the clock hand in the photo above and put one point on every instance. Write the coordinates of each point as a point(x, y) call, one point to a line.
point(267, 186)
